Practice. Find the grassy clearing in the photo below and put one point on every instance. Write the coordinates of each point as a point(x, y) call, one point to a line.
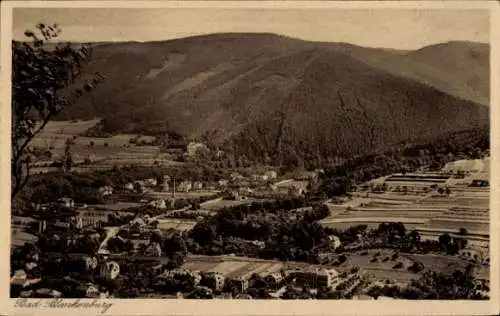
point(176, 224)
point(378, 264)
point(439, 263)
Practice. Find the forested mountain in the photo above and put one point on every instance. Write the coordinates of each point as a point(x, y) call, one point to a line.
point(269, 96)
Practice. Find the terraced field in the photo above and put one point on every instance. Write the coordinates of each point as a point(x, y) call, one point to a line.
point(431, 213)
point(104, 153)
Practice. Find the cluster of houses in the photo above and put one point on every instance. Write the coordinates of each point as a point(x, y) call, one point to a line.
point(314, 277)
point(81, 218)
point(147, 185)
point(23, 281)
point(267, 182)
point(239, 184)
point(194, 149)
point(475, 254)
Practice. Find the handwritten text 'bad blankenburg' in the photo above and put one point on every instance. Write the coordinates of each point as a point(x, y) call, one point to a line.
point(64, 303)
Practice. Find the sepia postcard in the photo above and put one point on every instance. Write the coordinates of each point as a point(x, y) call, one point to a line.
point(249, 157)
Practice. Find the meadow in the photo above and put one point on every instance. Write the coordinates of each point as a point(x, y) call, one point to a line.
point(100, 153)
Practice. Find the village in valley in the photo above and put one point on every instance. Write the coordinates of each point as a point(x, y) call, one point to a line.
point(269, 164)
point(175, 227)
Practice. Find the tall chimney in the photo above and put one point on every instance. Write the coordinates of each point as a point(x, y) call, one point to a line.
point(173, 194)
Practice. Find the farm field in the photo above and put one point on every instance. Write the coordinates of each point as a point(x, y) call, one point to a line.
point(431, 213)
point(181, 195)
point(119, 206)
point(103, 152)
point(371, 222)
point(227, 203)
point(177, 224)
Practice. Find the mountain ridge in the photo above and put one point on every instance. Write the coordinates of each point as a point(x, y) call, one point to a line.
point(269, 95)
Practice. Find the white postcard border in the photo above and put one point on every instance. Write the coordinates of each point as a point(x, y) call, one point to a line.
point(253, 307)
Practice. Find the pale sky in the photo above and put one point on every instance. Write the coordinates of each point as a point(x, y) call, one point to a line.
point(389, 28)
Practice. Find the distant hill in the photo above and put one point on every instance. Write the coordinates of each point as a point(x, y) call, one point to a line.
point(272, 96)
point(458, 68)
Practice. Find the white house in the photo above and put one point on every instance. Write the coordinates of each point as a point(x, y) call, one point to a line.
point(316, 277)
point(89, 290)
point(216, 280)
point(334, 241)
point(166, 178)
point(271, 174)
point(472, 253)
point(194, 148)
point(240, 282)
point(235, 176)
point(138, 221)
point(129, 186)
point(42, 225)
point(19, 277)
point(196, 277)
point(184, 186)
point(197, 185)
point(151, 182)
point(153, 250)
point(159, 204)
point(109, 270)
point(67, 202)
point(78, 222)
point(165, 186)
point(259, 177)
point(63, 225)
point(274, 277)
point(223, 183)
point(258, 243)
point(244, 190)
point(105, 190)
point(91, 263)
point(30, 266)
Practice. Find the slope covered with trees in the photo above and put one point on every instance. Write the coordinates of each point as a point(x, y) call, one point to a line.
point(268, 97)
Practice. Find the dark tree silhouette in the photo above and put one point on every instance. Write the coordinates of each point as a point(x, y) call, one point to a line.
point(45, 81)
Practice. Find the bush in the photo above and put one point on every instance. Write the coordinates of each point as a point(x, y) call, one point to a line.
point(416, 267)
point(398, 265)
point(342, 259)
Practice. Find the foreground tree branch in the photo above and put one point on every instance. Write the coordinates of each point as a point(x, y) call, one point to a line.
point(45, 81)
